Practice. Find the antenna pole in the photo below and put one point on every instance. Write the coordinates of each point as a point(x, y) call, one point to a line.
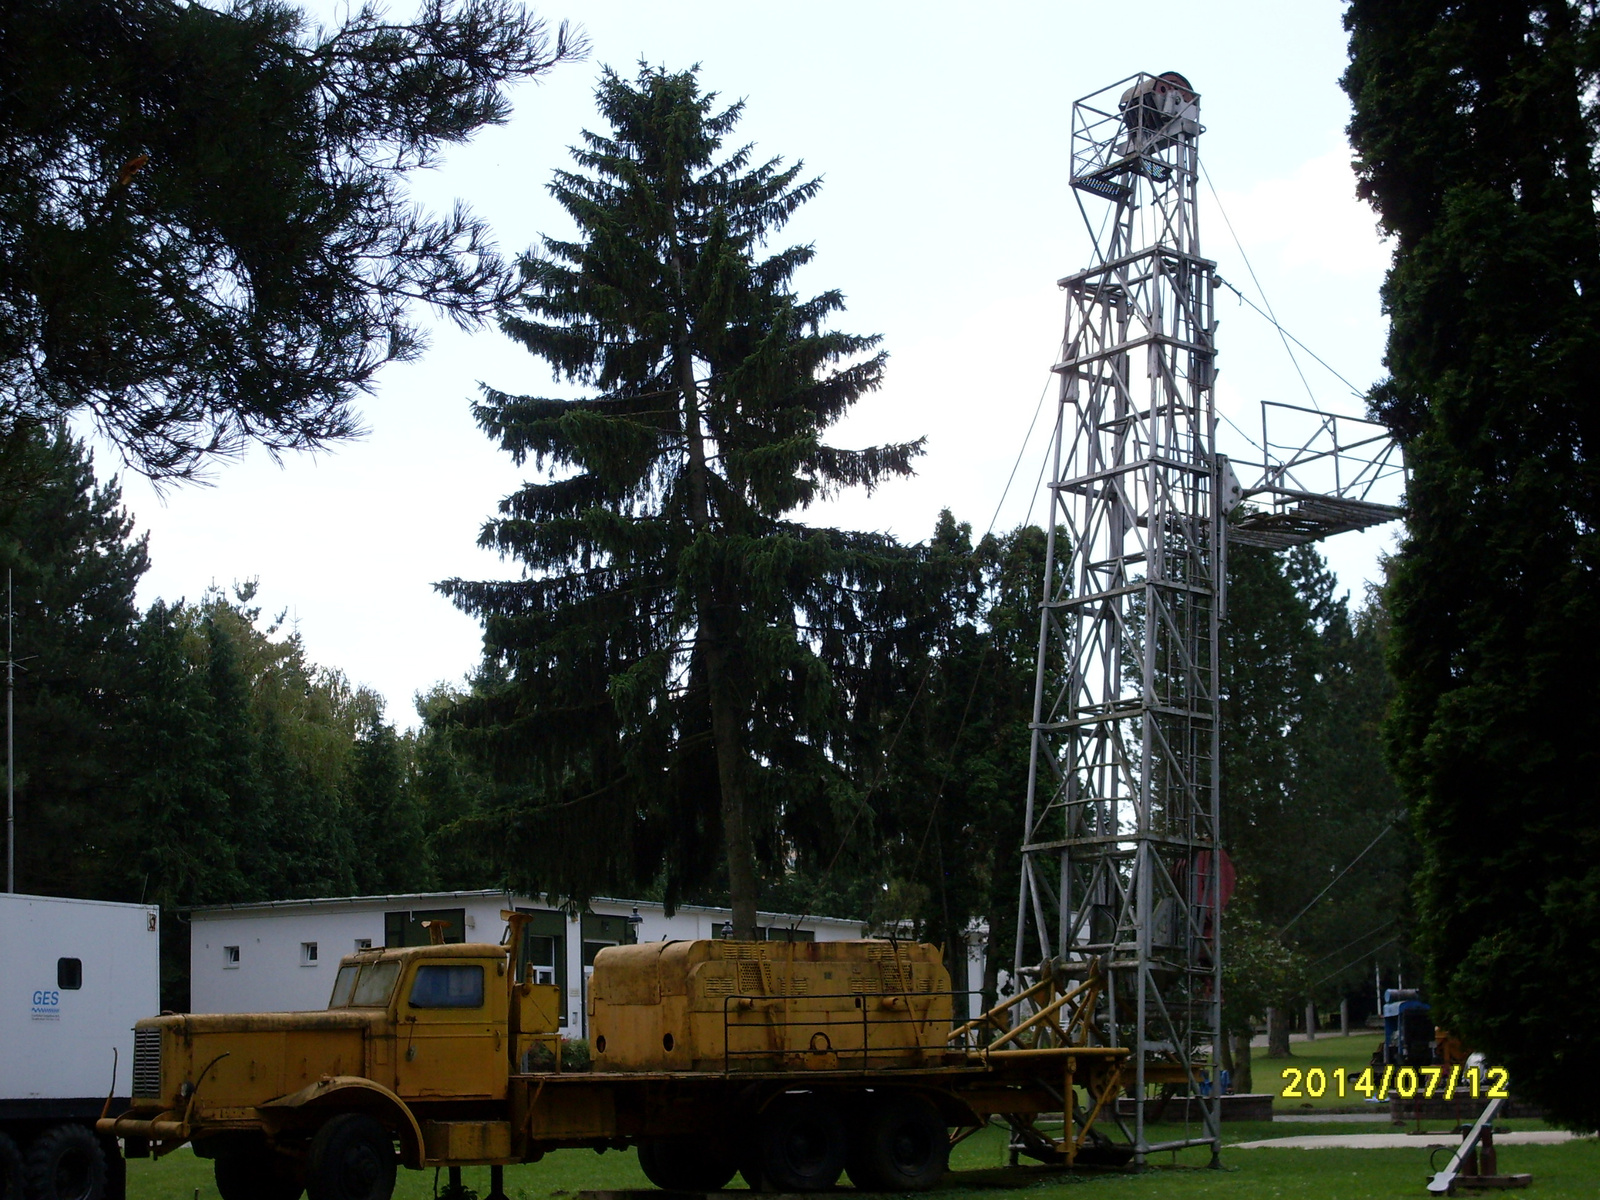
point(11, 790)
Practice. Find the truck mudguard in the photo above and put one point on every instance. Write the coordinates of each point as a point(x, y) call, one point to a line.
point(349, 1093)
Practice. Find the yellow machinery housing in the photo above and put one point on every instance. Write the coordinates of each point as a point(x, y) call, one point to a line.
point(762, 1006)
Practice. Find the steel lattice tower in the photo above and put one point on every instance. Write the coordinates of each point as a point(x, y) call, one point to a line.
point(1122, 806)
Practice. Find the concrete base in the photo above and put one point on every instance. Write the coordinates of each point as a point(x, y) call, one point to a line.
point(1246, 1106)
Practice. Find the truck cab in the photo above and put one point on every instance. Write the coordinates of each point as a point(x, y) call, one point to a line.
point(409, 1035)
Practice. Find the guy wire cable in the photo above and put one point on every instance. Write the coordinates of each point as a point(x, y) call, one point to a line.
point(1271, 320)
point(928, 672)
point(1240, 247)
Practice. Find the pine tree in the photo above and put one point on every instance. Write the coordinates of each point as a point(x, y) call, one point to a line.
point(1476, 135)
point(208, 241)
point(669, 641)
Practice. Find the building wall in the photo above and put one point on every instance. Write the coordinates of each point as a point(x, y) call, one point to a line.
point(272, 973)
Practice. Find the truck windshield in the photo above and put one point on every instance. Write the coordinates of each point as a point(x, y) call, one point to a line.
point(343, 985)
point(448, 987)
point(374, 984)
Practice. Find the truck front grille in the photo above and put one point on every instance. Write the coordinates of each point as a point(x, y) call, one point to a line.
point(147, 1064)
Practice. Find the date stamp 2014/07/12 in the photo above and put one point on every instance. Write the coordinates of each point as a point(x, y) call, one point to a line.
point(1492, 1083)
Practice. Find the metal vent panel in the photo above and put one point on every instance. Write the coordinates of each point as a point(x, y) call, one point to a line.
point(147, 1064)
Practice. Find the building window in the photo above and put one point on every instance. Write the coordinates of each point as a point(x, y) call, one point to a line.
point(69, 974)
point(541, 959)
point(406, 928)
point(230, 956)
point(363, 944)
point(308, 954)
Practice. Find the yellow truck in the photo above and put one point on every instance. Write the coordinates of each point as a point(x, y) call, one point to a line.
point(788, 1063)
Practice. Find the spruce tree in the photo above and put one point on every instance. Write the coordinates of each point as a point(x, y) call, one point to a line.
point(662, 678)
point(75, 565)
point(1476, 137)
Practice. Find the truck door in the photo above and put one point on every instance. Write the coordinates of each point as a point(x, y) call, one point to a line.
point(450, 1037)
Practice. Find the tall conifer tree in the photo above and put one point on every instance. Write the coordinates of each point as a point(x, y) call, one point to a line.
point(1475, 131)
point(659, 663)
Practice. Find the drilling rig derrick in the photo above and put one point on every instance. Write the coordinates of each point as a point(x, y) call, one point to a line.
point(1119, 858)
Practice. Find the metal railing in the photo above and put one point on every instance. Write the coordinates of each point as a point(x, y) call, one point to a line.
point(1320, 454)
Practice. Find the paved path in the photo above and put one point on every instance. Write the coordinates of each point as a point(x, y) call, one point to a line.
point(1371, 1118)
point(1399, 1141)
point(1259, 1041)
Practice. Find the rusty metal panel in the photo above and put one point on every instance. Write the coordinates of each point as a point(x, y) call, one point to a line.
point(467, 1141)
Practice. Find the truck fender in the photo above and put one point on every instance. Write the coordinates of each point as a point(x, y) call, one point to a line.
point(348, 1093)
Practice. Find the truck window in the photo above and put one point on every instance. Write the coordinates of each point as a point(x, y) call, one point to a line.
point(344, 986)
point(447, 987)
point(69, 974)
point(374, 985)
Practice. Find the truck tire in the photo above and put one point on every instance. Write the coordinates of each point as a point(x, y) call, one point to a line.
point(246, 1168)
point(352, 1158)
point(66, 1163)
point(682, 1164)
point(10, 1169)
point(116, 1169)
point(901, 1145)
point(801, 1144)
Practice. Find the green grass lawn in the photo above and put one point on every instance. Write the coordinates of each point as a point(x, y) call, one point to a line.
point(1326, 1054)
point(1560, 1173)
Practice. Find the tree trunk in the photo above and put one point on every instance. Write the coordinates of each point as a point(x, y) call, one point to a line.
point(1277, 1034)
point(1311, 1021)
point(726, 717)
point(725, 722)
point(1344, 1017)
point(1243, 1078)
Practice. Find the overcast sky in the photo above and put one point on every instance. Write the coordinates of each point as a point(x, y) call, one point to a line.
point(941, 131)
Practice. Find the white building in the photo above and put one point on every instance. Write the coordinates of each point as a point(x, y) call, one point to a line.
point(281, 955)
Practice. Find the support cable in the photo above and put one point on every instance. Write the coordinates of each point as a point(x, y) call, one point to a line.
point(1382, 833)
point(1361, 938)
point(1358, 958)
point(1240, 246)
point(1253, 443)
point(927, 673)
point(1273, 321)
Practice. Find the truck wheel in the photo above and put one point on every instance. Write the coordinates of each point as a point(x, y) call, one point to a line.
point(686, 1164)
point(802, 1144)
point(247, 1169)
point(902, 1146)
point(66, 1163)
point(352, 1158)
point(10, 1169)
point(116, 1169)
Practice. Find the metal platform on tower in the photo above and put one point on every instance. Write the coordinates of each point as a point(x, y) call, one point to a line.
point(1324, 474)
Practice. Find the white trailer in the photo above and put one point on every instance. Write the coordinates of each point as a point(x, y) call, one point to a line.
point(74, 977)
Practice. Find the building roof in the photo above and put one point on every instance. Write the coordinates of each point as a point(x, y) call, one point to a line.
point(415, 898)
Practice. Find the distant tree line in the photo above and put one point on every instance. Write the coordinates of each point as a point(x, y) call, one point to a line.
point(190, 753)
